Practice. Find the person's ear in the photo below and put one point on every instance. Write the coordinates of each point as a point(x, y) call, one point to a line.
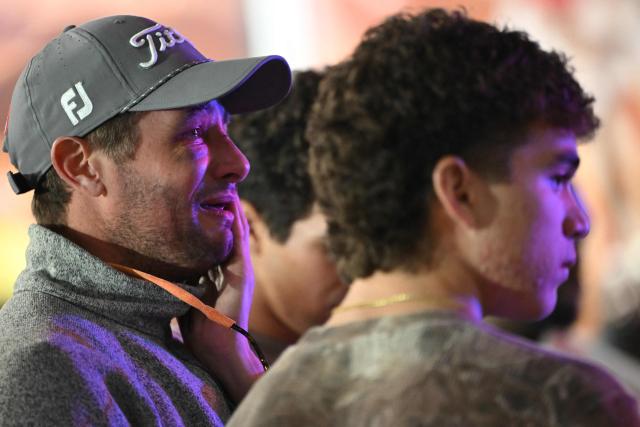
point(257, 227)
point(72, 160)
point(456, 188)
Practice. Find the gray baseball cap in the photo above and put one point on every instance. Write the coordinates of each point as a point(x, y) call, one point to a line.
point(93, 72)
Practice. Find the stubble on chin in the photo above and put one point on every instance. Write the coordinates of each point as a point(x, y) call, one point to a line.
point(152, 224)
point(186, 248)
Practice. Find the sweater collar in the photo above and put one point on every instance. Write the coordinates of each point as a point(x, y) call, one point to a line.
point(73, 274)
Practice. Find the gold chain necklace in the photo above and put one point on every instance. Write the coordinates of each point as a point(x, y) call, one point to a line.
point(383, 302)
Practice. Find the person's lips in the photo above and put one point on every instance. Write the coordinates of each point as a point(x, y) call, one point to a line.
point(218, 205)
point(566, 267)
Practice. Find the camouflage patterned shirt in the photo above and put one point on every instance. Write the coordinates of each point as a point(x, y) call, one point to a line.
point(430, 369)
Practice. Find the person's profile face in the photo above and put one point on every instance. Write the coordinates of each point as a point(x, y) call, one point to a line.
point(174, 197)
point(529, 247)
point(298, 277)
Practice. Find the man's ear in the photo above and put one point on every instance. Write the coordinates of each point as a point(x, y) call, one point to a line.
point(456, 188)
point(257, 227)
point(72, 160)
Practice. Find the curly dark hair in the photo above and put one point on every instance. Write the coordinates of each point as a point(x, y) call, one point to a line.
point(417, 88)
point(274, 141)
point(118, 137)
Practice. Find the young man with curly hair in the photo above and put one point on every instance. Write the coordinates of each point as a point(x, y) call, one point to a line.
point(120, 127)
point(442, 155)
point(297, 284)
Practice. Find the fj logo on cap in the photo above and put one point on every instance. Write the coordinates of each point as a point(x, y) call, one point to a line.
point(66, 100)
point(167, 38)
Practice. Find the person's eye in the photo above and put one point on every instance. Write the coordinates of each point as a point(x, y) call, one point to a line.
point(561, 180)
point(193, 136)
point(196, 133)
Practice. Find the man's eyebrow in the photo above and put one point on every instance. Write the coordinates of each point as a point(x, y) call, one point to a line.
point(209, 109)
point(192, 112)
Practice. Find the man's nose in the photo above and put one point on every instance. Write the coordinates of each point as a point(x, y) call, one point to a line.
point(577, 223)
point(229, 163)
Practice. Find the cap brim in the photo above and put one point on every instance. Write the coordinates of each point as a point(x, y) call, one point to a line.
point(240, 85)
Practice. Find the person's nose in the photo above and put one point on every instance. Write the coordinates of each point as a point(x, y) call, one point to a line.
point(229, 163)
point(577, 223)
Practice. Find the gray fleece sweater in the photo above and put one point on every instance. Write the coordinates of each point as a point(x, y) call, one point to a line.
point(83, 344)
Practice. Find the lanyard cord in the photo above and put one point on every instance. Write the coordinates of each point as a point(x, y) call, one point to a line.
point(190, 299)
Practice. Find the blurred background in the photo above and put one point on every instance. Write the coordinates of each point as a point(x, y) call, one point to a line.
point(308, 33)
point(602, 38)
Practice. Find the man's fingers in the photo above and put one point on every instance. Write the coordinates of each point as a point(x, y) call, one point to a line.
point(241, 220)
point(216, 277)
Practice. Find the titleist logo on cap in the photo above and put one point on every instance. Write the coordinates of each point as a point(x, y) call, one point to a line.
point(167, 38)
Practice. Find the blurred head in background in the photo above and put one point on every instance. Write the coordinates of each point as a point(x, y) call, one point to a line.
point(296, 280)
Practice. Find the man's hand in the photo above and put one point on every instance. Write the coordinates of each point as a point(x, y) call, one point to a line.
point(225, 353)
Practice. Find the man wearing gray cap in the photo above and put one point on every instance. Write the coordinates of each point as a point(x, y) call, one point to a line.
point(119, 125)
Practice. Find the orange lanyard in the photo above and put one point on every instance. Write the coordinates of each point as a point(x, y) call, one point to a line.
point(184, 296)
point(190, 299)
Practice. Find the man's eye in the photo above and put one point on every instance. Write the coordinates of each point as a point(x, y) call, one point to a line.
point(196, 133)
point(561, 180)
